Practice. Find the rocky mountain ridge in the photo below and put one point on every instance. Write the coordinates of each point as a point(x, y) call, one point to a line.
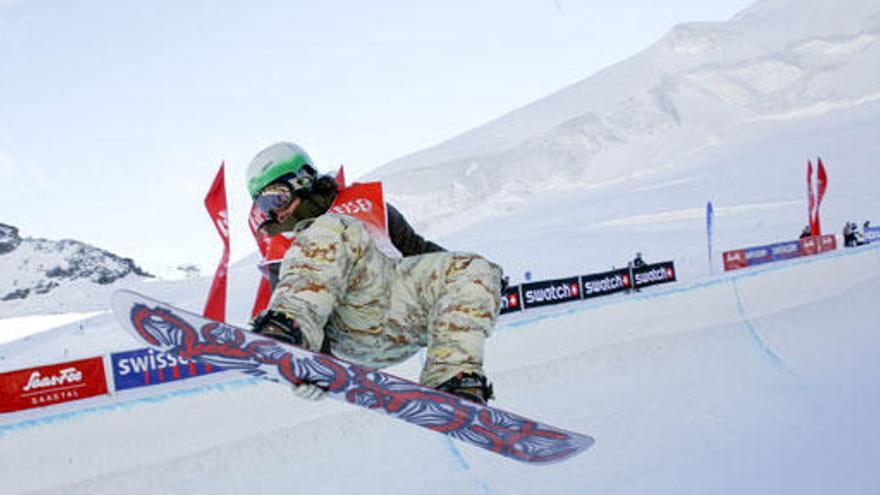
point(32, 266)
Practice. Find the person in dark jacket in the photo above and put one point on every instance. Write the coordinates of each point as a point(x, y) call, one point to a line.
point(339, 292)
point(851, 235)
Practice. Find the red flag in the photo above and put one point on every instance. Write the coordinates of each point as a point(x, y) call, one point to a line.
point(340, 178)
point(215, 202)
point(264, 291)
point(822, 186)
point(811, 199)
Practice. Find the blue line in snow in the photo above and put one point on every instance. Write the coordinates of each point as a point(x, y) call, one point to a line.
point(753, 332)
point(456, 454)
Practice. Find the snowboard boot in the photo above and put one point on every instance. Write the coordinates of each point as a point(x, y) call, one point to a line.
point(279, 326)
point(471, 386)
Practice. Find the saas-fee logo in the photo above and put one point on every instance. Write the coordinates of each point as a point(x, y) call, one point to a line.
point(65, 377)
point(52, 384)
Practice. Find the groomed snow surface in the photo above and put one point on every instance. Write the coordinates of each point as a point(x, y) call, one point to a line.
point(762, 381)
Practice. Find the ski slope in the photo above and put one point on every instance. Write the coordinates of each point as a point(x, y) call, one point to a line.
point(756, 382)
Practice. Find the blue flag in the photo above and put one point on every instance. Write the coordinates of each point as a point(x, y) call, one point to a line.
point(709, 214)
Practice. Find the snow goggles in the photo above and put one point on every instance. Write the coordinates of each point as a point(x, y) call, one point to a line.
point(271, 199)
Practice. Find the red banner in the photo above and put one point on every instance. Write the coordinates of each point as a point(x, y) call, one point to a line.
point(54, 384)
point(818, 244)
point(734, 260)
point(215, 202)
point(364, 201)
point(822, 185)
point(814, 197)
point(811, 200)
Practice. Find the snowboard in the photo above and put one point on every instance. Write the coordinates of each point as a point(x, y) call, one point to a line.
point(191, 336)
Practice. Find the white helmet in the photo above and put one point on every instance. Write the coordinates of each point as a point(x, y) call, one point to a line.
point(279, 161)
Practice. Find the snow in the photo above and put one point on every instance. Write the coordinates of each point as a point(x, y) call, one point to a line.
point(23, 326)
point(658, 115)
point(758, 381)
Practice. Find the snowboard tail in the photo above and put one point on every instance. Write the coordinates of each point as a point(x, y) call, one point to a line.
point(192, 336)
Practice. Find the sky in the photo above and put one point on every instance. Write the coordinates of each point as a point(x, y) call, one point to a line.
point(115, 116)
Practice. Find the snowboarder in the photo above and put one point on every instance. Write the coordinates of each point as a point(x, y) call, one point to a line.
point(339, 292)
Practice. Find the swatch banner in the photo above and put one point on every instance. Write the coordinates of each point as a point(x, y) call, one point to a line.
point(145, 367)
point(872, 234)
point(547, 292)
point(53, 384)
point(511, 299)
point(654, 274)
point(603, 284)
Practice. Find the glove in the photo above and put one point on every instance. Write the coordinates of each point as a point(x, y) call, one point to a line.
point(309, 391)
point(279, 326)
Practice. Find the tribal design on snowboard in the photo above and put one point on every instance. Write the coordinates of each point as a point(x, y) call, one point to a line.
point(173, 330)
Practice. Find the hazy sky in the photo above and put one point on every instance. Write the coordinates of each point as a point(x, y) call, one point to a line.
point(115, 115)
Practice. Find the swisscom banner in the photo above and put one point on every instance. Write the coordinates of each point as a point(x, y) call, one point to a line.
point(546, 292)
point(52, 384)
point(145, 367)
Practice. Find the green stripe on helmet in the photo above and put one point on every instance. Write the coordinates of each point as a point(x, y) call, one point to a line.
point(275, 171)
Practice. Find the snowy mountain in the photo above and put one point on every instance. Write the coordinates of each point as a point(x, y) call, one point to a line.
point(658, 116)
point(38, 274)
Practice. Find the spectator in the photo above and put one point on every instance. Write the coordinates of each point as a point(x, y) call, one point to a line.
point(638, 262)
point(806, 232)
point(851, 235)
point(858, 235)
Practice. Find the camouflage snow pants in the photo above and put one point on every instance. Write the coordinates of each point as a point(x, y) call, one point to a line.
point(361, 305)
